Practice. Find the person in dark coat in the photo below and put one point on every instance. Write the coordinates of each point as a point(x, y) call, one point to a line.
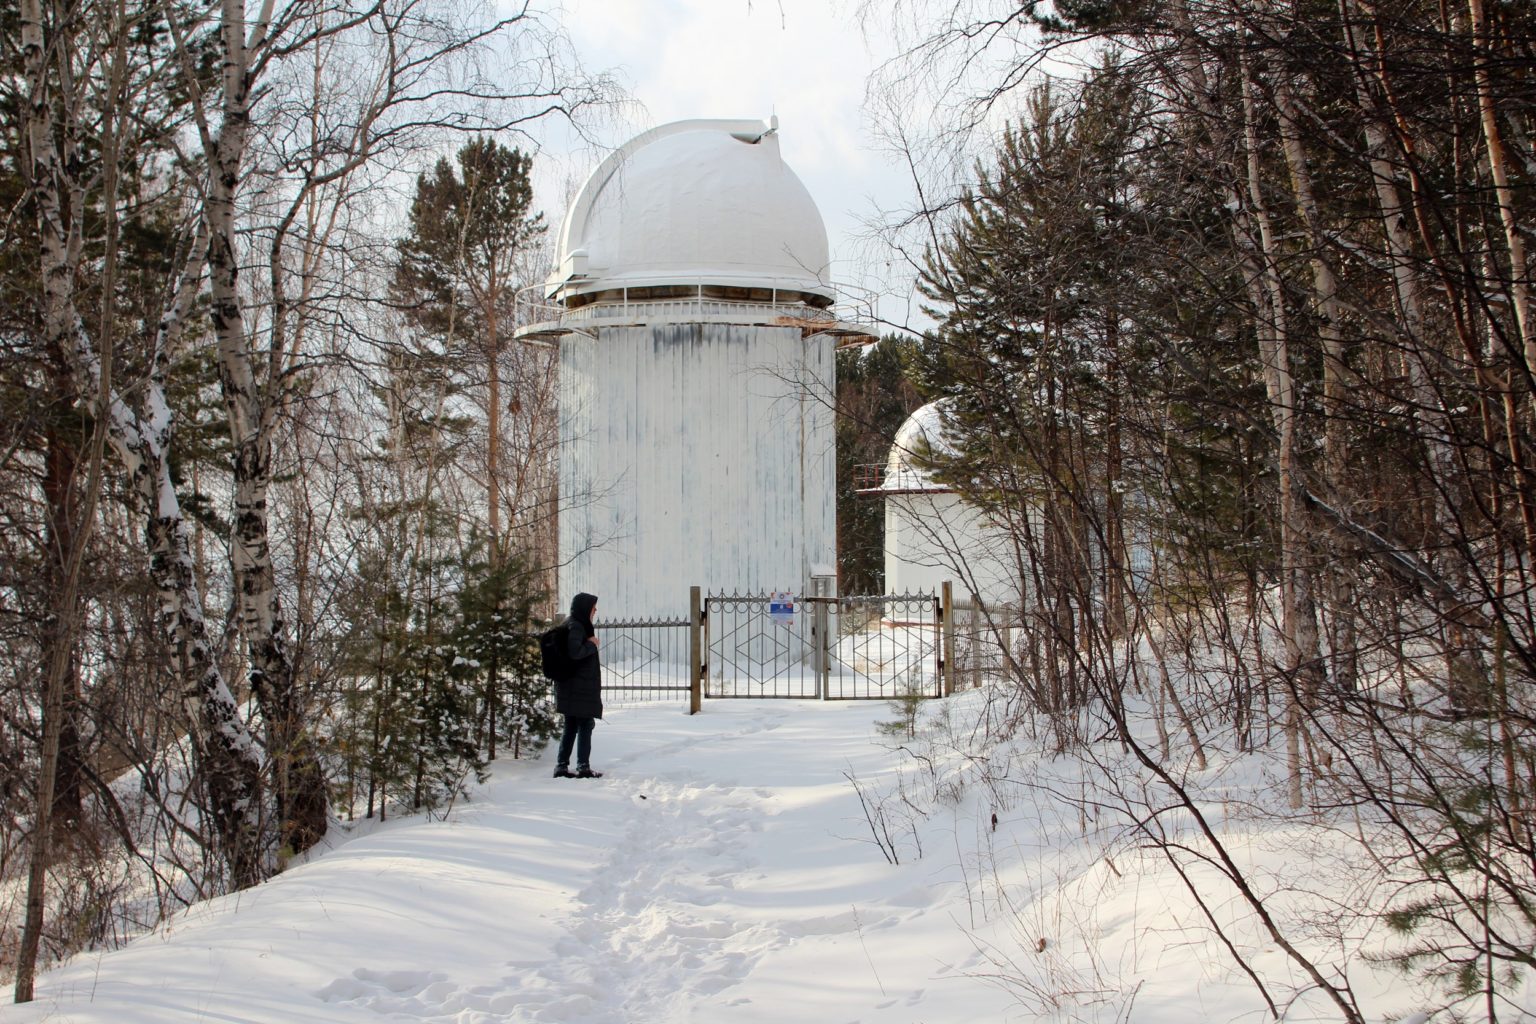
point(580, 697)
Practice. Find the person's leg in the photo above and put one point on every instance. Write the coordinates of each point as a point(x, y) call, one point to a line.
point(567, 740)
point(584, 744)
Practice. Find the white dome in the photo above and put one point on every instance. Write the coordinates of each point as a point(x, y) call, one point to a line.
point(693, 203)
point(920, 436)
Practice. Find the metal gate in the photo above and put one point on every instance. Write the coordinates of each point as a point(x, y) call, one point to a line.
point(644, 659)
point(833, 648)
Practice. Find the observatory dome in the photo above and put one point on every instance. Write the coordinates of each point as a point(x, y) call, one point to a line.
point(921, 436)
point(699, 204)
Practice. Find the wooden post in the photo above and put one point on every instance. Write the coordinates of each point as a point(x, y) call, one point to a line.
point(981, 618)
point(695, 652)
point(947, 618)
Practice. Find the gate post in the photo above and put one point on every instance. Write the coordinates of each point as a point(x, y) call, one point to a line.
point(823, 659)
point(695, 652)
point(947, 617)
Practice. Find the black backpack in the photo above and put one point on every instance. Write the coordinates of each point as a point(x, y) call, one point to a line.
point(554, 654)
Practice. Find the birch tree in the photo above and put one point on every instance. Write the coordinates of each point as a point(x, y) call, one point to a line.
point(56, 120)
point(347, 116)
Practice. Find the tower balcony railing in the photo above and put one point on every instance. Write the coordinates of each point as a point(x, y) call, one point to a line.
point(848, 317)
point(869, 477)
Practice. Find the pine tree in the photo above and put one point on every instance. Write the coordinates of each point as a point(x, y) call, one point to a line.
point(458, 270)
point(495, 640)
point(875, 395)
point(1031, 286)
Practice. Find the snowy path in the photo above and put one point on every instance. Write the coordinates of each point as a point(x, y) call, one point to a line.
point(696, 890)
point(720, 873)
point(643, 941)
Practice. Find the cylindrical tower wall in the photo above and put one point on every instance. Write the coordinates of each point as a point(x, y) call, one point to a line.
point(694, 454)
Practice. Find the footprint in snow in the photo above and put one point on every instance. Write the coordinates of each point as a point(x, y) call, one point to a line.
point(387, 991)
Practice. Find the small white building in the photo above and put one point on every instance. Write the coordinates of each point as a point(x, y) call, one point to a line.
point(694, 311)
point(931, 535)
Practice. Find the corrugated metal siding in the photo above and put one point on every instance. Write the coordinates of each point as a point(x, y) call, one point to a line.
point(694, 454)
point(933, 537)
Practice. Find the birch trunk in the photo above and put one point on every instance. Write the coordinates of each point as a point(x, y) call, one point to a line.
point(231, 757)
point(228, 757)
point(1298, 612)
point(493, 424)
point(1116, 557)
point(59, 252)
point(1342, 636)
point(251, 409)
point(1519, 271)
point(1498, 168)
point(1407, 288)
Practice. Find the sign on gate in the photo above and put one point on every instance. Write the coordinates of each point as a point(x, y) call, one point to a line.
point(781, 609)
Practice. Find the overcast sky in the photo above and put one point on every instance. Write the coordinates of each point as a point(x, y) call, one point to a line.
point(808, 61)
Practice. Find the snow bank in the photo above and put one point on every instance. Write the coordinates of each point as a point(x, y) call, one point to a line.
point(727, 871)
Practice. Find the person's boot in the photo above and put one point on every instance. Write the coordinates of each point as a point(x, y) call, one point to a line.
point(563, 772)
point(586, 772)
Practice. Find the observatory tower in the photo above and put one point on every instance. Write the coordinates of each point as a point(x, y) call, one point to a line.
point(694, 314)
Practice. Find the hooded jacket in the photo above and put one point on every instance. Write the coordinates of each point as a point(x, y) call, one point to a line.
point(581, 695)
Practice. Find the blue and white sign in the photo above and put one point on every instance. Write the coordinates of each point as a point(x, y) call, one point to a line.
point(781, 609)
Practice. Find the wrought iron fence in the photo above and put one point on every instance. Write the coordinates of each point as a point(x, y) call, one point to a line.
point(798, 647)
point(837, 648)
point(751, 650)
point(886, 646)
point(644, 660)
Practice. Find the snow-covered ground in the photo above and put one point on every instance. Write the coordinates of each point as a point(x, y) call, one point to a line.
point(725, 871)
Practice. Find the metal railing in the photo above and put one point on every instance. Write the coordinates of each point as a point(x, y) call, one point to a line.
point(869, 476)
point(698, 306)
point(644, 659)
point(984, 639)
point(791, 646)
point(832, 648)
point(853, 305)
